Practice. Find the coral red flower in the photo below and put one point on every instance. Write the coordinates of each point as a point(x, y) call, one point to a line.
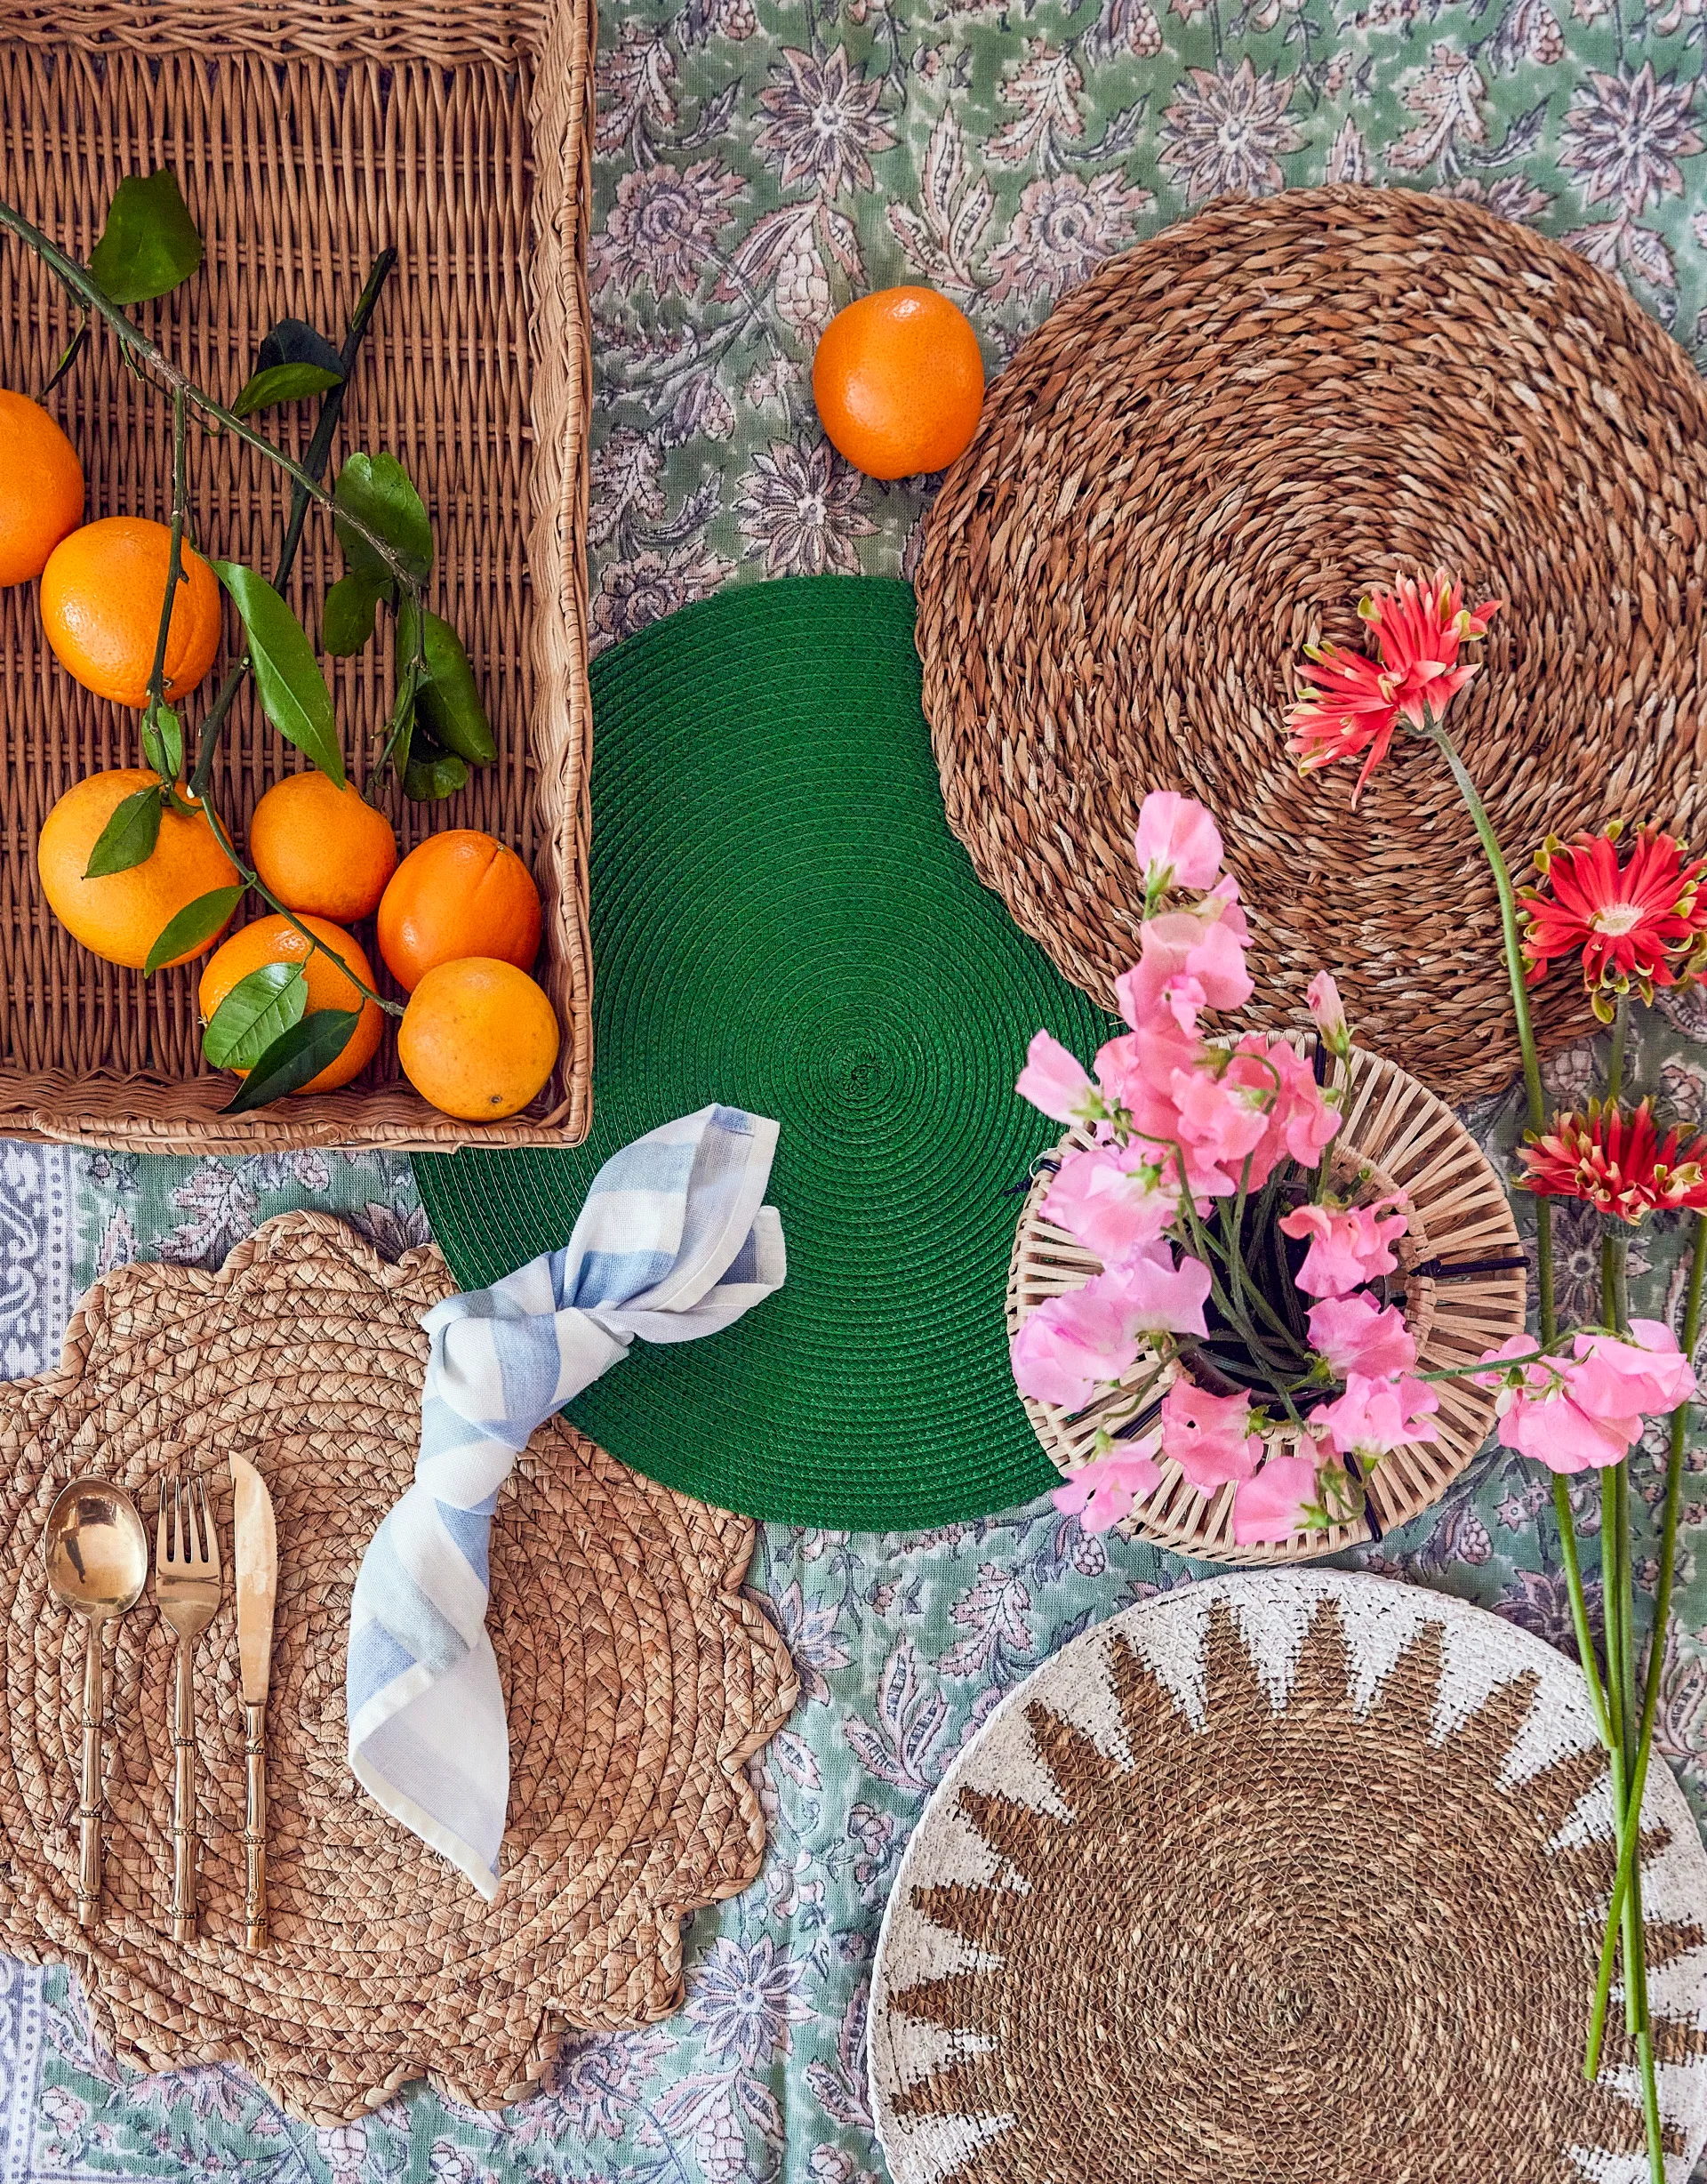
point(1419, 627)
point(1616, 1161)
point(1642, 924)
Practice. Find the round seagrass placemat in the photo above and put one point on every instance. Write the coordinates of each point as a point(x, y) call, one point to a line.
point(1288, 1879)
point(1460, 1279)
point(638, 1681)
point(783, 923)
point(1196, 464)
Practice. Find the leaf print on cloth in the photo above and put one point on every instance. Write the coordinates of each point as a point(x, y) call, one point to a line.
point(942, 237)
point(1449, 96)
point(1065, 227)
point(1043, 89)
point(638, 79)
point(900, 1747)
point(1225, 131)
point(800, 503)
point(633, 593)
point(824, 123)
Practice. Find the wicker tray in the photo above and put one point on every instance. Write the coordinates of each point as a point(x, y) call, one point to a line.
point(637, 1678)
point(306, 138)
point(1195, 465)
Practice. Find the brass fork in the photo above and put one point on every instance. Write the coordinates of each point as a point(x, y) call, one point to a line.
point(187, 1592)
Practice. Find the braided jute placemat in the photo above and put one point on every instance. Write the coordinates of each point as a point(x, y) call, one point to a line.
point(638, 1679)
point(1283, 1879)
point(1196, 465)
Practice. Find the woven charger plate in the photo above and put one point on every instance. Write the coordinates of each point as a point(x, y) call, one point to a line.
point(1397, 1138)
point(1198, 463)
point(638, 1681)
point(1289, 1879)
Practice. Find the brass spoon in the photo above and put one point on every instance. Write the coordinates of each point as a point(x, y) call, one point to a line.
point(97, 1564)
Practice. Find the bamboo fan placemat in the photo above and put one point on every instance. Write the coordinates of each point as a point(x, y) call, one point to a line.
point(637, 1680)
point(1397, 1138)
point(1288, 1879)
point(305, 139)
point(1196, 465)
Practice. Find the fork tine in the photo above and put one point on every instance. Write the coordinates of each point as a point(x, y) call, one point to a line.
point(161, 1556)
point(210, 1540)
point(177, 1521)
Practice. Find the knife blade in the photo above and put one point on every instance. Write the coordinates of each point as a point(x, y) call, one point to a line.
point(256, 1554)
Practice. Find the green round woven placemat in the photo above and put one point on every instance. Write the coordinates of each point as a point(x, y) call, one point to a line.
point(782, 921)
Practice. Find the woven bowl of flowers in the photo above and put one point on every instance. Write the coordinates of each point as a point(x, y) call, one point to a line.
point(1288, 1879)
point(1396, 1140)
point(638, 1681)
point(1195, 467)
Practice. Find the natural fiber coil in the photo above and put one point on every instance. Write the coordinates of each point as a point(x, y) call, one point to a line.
point(638, 1681)
point(1294, 1879)
point(1196, 465)
point(306, 138)
point(1397, 1138)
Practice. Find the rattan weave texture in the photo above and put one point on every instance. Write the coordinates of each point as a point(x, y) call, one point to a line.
point(638, 1679)
point(1196, 464)
point(1289, 1879)
point(305, 138)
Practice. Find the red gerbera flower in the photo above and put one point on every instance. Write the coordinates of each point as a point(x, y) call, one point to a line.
point(1616, 1160)
point(1419, 627)
point(1643, 924)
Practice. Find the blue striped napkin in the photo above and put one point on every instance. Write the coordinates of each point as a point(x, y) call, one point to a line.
point(673, 1242)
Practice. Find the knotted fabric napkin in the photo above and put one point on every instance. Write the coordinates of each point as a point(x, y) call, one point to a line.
point(674, 1241)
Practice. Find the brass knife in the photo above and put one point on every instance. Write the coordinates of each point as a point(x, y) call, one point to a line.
point(257, 1561)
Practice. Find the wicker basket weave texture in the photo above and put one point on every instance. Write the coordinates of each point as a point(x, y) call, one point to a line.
point(1194, 466)
point(305, 139)
point(638, 1679)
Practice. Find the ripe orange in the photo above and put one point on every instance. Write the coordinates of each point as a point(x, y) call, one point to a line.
point(41, 488)
point(460, 893)
point(274, 940)
point(899, 381)
point(322, 850)
point(101, 593)
point(121, 915)
point(478, 1038)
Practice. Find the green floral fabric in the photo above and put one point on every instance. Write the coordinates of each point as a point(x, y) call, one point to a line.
point(757, 165)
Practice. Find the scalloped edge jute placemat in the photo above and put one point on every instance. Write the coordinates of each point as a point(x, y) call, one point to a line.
point(637, 1678)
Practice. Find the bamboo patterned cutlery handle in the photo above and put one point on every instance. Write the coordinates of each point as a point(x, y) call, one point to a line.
point(255, 1829)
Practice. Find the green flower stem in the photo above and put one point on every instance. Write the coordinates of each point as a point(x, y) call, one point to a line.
point(153, 361)
point(1619, 1036)
point(157, 687)
point(319, 453)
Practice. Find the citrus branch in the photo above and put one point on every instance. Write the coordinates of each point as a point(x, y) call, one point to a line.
point(157, 687)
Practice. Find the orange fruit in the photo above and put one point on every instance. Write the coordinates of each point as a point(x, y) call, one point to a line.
point(41, 488)
point(275, 940)
point(899, 381)
point(102, 594)
point(321, 848)
point(121, 915)
point(478, 1038)
point(460, 893)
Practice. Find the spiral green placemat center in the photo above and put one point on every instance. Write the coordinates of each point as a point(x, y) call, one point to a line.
point(783, 923)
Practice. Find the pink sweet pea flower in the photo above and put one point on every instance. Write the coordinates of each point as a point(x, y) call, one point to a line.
point(1613, 1379)
point(1184, 952)
point(1538, 1417)
point(1112, 1199)
point(1356, 1335)
point(1157, 1295)
point(1270, 1507)
point(1056, 1081)
point(1374, 1418)
point(1101, 1492)
point(1177, 844)
point(1208, 1437)
point(1325, 1005)
point(1221, 1117)
point(1301, 1123)
point(1347, 1249)
point(1072, 1344)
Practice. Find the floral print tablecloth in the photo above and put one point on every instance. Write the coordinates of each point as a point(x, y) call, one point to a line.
point(757, 164)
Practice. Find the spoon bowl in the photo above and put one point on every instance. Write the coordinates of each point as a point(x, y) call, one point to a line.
point(97, 1556)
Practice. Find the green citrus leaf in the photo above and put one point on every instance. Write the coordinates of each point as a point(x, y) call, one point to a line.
point(128, 838)
point(283, 383)
point(296, 1058)
point(195, 924)
point(376, 489)
point(293, 693)
point(254, 1014)
point(163, 742)
point(347, 619)
point(150, 243)
point(449, 701)
point(292, 341)
point(430, 775)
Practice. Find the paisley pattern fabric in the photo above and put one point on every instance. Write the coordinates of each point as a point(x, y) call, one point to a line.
point(757, 165)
